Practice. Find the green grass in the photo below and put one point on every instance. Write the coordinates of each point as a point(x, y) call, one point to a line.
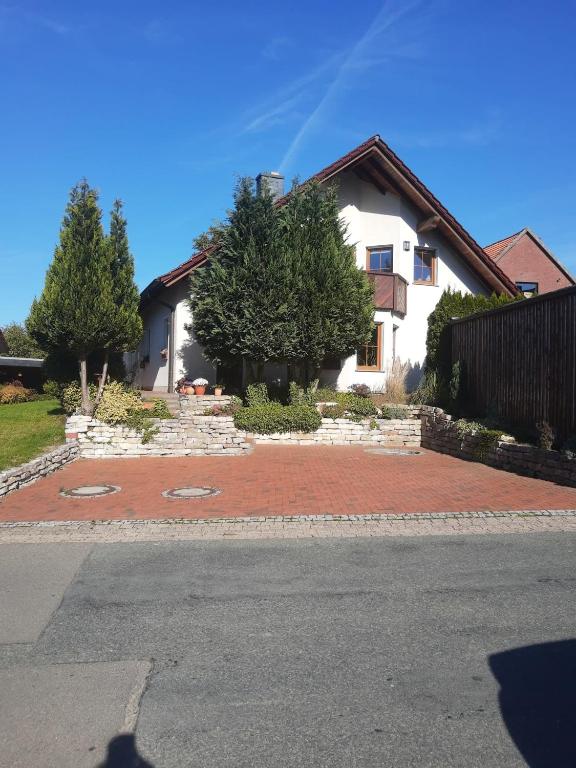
point(28, 429)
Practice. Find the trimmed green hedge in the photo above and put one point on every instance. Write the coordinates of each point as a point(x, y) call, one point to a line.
point(266, 419)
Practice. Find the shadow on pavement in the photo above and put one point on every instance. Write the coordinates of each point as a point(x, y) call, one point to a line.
point(538, 701)
point(122, 753)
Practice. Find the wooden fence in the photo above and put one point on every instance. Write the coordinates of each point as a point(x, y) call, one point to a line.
point(520, 360)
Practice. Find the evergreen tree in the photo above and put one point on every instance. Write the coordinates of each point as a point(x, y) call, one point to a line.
point(244, 302)
point(336, 308)
point(81, 309)
point(20, 343)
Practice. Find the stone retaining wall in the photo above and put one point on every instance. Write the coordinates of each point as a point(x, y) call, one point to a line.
point(439, 434)
point(16, 477)
point(197, 404)
point(345, 432)
point(185, 436)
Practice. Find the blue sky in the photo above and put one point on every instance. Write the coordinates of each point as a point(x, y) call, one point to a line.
point(165, 104)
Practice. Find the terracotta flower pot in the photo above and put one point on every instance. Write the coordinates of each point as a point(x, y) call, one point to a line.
point(187, 390)
point(147, 406)
point(199, 390)
point(217, 391)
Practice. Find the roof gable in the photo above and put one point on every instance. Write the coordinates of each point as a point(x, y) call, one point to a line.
point(374, 161)
point(500, 248)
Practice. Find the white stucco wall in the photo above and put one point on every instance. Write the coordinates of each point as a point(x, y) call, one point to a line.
point(373, 219)
point(377, 219)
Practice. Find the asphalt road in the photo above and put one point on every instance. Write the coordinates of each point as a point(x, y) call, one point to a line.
point(424, 651)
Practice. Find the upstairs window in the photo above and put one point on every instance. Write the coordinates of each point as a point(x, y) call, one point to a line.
point(369, 355)
point(528, 289)
point(425, 266)
point(379, 258)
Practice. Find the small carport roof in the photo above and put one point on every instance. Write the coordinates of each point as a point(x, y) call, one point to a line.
point(20, 362)
point(374, 161)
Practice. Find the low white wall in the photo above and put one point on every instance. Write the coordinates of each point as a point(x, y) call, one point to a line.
point(400, 432)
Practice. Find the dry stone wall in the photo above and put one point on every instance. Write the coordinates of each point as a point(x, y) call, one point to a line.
point(399, 432)
point(17, 477)
point(185, 436)
point(440, 434)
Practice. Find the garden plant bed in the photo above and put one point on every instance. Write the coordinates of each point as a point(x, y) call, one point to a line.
point(440, 433)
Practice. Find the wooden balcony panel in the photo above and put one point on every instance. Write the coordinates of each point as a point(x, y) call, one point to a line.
point(389, 291)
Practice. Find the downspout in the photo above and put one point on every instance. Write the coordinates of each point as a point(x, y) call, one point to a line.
point(171, 345)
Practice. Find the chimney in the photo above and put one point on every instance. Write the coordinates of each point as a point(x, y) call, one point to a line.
point(271, 181)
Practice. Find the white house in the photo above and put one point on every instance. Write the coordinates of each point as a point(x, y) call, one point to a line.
point(410, 244)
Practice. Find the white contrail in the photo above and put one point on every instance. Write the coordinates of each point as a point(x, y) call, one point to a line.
point(385, 19)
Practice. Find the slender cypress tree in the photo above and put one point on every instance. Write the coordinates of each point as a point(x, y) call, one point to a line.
point(87, 304)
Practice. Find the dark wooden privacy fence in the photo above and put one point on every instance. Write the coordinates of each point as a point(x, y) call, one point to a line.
point(520, 360)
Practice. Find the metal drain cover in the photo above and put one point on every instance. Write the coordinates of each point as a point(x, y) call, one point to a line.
point(190, 492)
point(394, 451)
point(89, 491)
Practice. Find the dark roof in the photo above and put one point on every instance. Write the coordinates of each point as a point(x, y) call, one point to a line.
point(374, 161)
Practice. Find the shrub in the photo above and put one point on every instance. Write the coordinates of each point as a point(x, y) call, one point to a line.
point(360, 406)
point(52, 388)
point(160, 410)
point(393, 412)
point(227, 409)
point(327, 395)
point(139, 420)
point(546, 435)
point(362, 390)
point(298, 395)
point(71, 396)
point(334, 411)
point(117, 402)
point(257, 394)
point(10, 394)
point(273, 417)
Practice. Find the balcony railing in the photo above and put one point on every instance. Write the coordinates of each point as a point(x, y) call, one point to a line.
point(389, 291)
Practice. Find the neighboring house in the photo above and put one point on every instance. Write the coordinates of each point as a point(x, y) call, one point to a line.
point(525, 259)
point(404, 237)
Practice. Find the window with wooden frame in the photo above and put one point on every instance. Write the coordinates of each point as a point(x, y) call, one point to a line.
point(424, 266)
point(369, 356)
point(379, 258)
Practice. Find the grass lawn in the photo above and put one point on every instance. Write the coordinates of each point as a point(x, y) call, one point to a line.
point(28, 429)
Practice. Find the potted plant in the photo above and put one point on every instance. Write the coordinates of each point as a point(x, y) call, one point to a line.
point(200, 386)
point(218, 389)
point(184, 386)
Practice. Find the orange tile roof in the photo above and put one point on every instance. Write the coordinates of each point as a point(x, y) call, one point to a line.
point(495, 249)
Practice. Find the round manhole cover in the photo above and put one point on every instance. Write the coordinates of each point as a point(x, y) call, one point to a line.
point(89, 491)
point(394, 451)
point(190, 492)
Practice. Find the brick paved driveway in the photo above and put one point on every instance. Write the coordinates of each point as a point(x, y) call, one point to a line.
point(284, 480)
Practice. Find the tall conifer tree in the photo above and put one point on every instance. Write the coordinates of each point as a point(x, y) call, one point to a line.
point(87, 304)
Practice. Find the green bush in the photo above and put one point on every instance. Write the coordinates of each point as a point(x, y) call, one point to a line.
point(356, 404)
point(273, 417)
point(117, 403)
point(298, 395)
point(546, 435)
point(71, 396)
point(52, 388)
point(360, 406)
point(160, 410)
point(334, 411)
point(393, 412)
point(431, 390)
point(257, 394)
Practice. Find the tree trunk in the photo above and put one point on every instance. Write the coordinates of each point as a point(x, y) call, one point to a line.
point(87, 408)
point(103, 378)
